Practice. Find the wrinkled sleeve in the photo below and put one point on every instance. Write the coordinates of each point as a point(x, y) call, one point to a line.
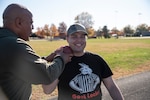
point(32, 69)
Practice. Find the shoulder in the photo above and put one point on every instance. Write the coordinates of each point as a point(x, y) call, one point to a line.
point(11, 39)
point(92, 55)
point(22, 42)
point(18, 44)
point(24, 46)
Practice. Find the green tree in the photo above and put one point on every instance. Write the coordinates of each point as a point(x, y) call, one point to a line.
point(105, 32)
point(128, 30)
point(142, 28)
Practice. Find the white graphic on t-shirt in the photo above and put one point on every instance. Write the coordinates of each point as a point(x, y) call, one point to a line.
point(86, 81)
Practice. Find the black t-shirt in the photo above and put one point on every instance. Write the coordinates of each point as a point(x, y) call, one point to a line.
point(81, 78)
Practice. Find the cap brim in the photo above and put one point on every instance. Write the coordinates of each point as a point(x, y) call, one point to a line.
point(79, 31)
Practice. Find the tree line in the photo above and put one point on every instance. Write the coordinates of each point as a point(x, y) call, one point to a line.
point(86, 19)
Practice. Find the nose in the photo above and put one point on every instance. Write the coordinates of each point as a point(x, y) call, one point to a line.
point(79, 39)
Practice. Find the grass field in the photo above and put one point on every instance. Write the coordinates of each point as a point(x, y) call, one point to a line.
point(122, 55)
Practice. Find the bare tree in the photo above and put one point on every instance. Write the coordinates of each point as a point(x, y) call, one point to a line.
point(85, 19)
point(62, 29)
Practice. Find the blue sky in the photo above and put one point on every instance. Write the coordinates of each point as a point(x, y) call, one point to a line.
point(119, 13)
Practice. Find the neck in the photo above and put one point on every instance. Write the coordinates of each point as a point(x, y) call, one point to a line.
point(78, 54)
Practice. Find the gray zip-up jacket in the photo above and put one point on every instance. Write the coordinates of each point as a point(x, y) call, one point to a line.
point(20, 67)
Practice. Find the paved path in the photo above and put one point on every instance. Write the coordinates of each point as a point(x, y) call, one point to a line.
point(135, 87)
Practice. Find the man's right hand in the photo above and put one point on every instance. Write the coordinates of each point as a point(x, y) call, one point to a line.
point(65, 56)
point(63, 52)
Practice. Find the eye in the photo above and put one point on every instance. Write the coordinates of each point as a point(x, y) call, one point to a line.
point(83, 37)
point(73, 36)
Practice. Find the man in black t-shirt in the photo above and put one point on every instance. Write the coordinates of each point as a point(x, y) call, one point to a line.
point(82, 77)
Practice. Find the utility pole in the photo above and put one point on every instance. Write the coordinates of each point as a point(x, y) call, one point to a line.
point(116, 12)
point(139, 18)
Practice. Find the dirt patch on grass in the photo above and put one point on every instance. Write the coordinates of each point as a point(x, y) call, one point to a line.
point(37, 92)
point(118, 73)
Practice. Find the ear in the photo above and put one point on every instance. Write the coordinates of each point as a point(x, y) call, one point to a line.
point(18, 22)
point(67, 38)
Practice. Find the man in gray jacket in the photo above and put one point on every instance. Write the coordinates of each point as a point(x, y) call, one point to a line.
point(20, 67)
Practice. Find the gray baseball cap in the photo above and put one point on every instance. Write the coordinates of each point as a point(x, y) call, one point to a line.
point(76, 28)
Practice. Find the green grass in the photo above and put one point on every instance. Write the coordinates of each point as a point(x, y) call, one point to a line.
point(118, 53)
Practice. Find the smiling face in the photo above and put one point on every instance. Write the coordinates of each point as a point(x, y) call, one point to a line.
point(77, 41)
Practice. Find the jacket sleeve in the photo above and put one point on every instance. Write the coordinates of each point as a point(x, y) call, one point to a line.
point(32, 69)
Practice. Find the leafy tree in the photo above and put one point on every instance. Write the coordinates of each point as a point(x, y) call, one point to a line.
point(91, 33)
point(149, 28)
point(46, 30)
point(105, 32)
point(115, 31)
point(53, 31)
point(99, 33)
point(85, 19)
point(142, 28)
point(40, 32)
point(128, 31)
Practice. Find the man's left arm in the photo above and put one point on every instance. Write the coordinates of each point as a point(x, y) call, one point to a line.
point(113, 89)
